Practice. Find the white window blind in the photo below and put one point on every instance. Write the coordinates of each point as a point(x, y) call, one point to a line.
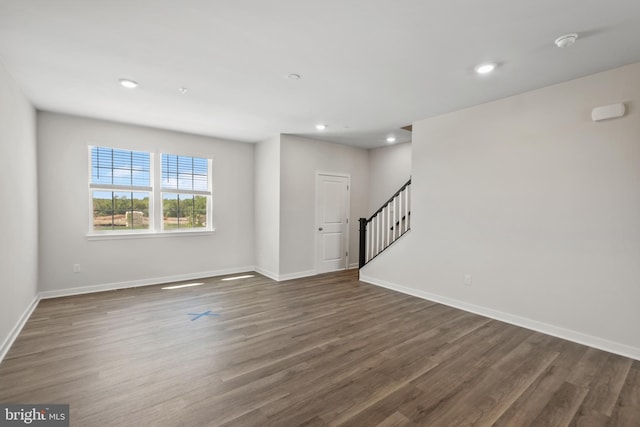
point(120, 188)
point(186, 192)
point(127, 196)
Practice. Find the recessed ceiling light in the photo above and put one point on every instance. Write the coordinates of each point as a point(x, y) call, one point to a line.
point(294, 76)
point(129, 84)
point(182, 90)
point(485, 68)
point(566, 40)
point(391, 139)
point(321, 126)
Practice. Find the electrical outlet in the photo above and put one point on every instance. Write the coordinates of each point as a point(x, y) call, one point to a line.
point(76, 268)
point(467, 280)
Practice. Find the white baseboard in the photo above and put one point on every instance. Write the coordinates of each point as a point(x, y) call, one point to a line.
point(8, 342)
point(289, 276)
point(271, 275)
point(297, 275)
point(353, 265)
point(141, 282)
point(545, 328)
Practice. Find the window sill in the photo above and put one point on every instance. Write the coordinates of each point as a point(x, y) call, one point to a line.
point(151, 235)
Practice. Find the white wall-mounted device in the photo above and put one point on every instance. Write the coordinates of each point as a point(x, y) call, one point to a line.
point(608, 112)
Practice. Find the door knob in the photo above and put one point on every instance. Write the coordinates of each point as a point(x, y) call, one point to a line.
point(320, 228)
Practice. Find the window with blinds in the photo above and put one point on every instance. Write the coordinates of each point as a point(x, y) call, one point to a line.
point(120, 189)
point(186, 192)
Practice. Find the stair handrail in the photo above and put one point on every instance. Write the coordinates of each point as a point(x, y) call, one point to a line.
point(363, 227)
point(408, 183)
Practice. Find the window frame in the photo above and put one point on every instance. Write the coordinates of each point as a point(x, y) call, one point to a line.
point(155, 191)
point(207, 193)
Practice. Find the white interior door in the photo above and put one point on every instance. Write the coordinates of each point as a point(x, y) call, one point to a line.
point(332, 213)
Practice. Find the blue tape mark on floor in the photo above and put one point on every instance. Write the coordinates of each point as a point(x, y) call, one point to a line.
point(199, 315)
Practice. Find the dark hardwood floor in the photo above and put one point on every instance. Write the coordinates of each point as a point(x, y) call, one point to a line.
point(326, 350)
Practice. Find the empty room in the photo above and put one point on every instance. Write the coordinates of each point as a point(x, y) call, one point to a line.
point(337, 213)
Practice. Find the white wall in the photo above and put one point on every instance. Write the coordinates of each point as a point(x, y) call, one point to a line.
point(267, 207)
point(64, 208)
point(539, 204)
point(300, 159)
point(19, 214)
point(389, 169)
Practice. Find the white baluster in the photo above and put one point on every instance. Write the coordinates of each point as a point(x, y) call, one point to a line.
point(407, 207)
point(382, 234)
point(378, 217)
point(373, 237)
point(393, 220)
point(387, 221)
point(400, 214)
point(381, 231)
point(367, 237)
point(404, 211)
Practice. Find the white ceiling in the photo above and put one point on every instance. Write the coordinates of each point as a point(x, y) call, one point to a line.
point(368, 67)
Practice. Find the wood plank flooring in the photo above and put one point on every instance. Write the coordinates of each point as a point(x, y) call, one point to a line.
point(326, 350)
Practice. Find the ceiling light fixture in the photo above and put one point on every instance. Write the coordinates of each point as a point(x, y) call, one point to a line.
point(294, 76)
point(129, 84)
point(567, 40)
point(321, 126)
point(485, 68)
point(182, 90)
point(391, 139)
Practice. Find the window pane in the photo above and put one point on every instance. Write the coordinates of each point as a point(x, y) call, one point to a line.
point(184, 211)
point(184, 173)
point(120, 210)
point(110, 166)
point(169, 171)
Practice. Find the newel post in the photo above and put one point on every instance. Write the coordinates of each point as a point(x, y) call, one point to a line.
point(363, 242)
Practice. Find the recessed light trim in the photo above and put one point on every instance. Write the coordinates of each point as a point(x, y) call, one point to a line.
point(128, 83)
point(485, 68)
point(183, 90)
point(321, 126)
point(391, 139)
point(567, 40)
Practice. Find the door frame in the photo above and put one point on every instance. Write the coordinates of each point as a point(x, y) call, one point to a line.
point(316, 219)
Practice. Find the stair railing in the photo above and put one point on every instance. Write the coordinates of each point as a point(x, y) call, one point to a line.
point(386, 225)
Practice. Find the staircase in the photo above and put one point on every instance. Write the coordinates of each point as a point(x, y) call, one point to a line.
point(386, 225)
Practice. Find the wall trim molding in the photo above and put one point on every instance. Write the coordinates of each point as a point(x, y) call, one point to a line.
point(280, 277)
point(545, 328)
point(13, 334)
point(142, 282)
point(297, 275)
point(271, 275)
